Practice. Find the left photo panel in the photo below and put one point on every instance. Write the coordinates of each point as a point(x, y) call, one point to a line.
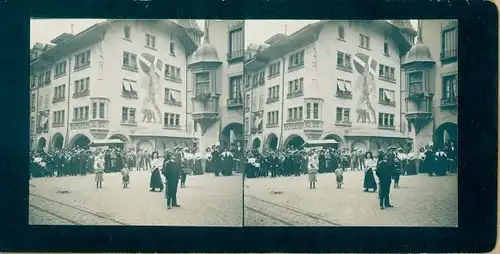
point(136, 122)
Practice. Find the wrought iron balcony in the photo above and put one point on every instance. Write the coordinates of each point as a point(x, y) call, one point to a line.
point(130, 94)
point(416, 96)
point(294, 94)
point(202, 97)
point(171, 127)
point(344, 67)
point(236, 55)
point(81, 94)
point(449, 102)
point(344, 94)
point(387, 103)
point(386, 127)
point(272, 99)
point(234, 102)
point(173, 103)
point(295, 66)
point(449, 55)
point(343, 123)
point(58, 99)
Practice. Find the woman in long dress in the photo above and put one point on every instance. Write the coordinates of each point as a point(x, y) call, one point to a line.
point(157, 166)
point(99, 169)
point(313, 170)
point(370, 165)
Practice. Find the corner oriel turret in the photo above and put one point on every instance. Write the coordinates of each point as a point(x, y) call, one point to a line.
point(417, 65)
point(205, 98)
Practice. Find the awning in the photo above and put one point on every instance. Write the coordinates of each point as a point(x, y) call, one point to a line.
point(105, 142)
point(348, 86)
point(43, 121)
point(174, 95)
point(388, 94)
point(376, 133)
point(340, 85)
point(321, 142)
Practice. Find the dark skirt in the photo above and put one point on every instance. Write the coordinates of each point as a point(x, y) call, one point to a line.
point(156, 182)
point(369, 181)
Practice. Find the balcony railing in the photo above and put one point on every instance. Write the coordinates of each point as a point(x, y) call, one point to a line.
point(449, 54)
point(173, 103)
point(416, 96)
point(344, 94)
point(174, 79)
point(130, 94)
point(80, 94)
point(386, 127)
point(42, 130)
point(387, 103)
point(80, 66)
point(272, 100)
point(130, 67)
point(171, 127)
point(58, 99)
point(387, 78)
point(129, 123)
point(344, 67)
point(236, 55)
point(448, 102)
point(234, 102)
point(272, 125)
point(202, 97)
point(57, 124)
point(343, 123)
point(295, 66)
point(294, 94)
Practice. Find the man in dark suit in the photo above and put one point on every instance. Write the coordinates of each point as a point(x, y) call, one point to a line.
point(384, 174)
point(171, 171)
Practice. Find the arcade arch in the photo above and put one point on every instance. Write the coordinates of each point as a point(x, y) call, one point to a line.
point(272, 141)
point(57, 142)
point(80, 140)
point(445, 133)
point(293, 140)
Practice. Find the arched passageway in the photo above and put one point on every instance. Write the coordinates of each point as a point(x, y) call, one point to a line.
point(231, 134)
point(79, 140)
point(272, 141)
point(445, 134)
point(57, 142)
point(360, 146)
point(256, 144)
point(293, 141)
point(121, 138)
point(145, 145)
point(42, 142)
point(336, 138)
point(160, 147)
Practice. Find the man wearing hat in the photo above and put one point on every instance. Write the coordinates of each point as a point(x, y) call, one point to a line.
point(384, 174)
point(171, 171)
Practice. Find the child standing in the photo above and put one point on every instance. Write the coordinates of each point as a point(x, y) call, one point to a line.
point(125, 177)
point(313, 170)
point(339, 174)
point(99, 169)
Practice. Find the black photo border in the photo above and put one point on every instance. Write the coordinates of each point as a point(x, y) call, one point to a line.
point(478, 134)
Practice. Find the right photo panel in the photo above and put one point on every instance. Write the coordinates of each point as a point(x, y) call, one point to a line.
point(350, 123)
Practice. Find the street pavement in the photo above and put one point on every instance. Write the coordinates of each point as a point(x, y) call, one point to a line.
point(285, 201)
point(207, 200)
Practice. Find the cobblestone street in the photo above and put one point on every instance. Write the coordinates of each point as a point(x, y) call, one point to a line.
point(287, 201)
point(206, 201)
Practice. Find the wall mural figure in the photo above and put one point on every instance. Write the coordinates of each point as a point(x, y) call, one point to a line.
point(366, 88)
point(151, 66)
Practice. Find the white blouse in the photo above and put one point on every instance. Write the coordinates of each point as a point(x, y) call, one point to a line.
point(157, 163)
point(371, 163)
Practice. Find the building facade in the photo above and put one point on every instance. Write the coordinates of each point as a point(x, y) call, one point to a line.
point(119, 79)
point(431, 83)
point(337, 80)
point(215, 85)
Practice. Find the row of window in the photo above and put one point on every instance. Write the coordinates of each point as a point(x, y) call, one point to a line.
point(364, 40)
point(171, 72)
point(149, 40)
point(170, 119)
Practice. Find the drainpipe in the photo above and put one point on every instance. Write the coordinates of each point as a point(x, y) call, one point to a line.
point(251, 112)
point(282, 102)
point(66, 142)
point(186, 101)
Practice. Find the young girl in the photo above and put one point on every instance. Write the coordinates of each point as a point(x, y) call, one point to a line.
point(339, 174)
point(313, 170)
point(125, 177)
point(99, 169)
